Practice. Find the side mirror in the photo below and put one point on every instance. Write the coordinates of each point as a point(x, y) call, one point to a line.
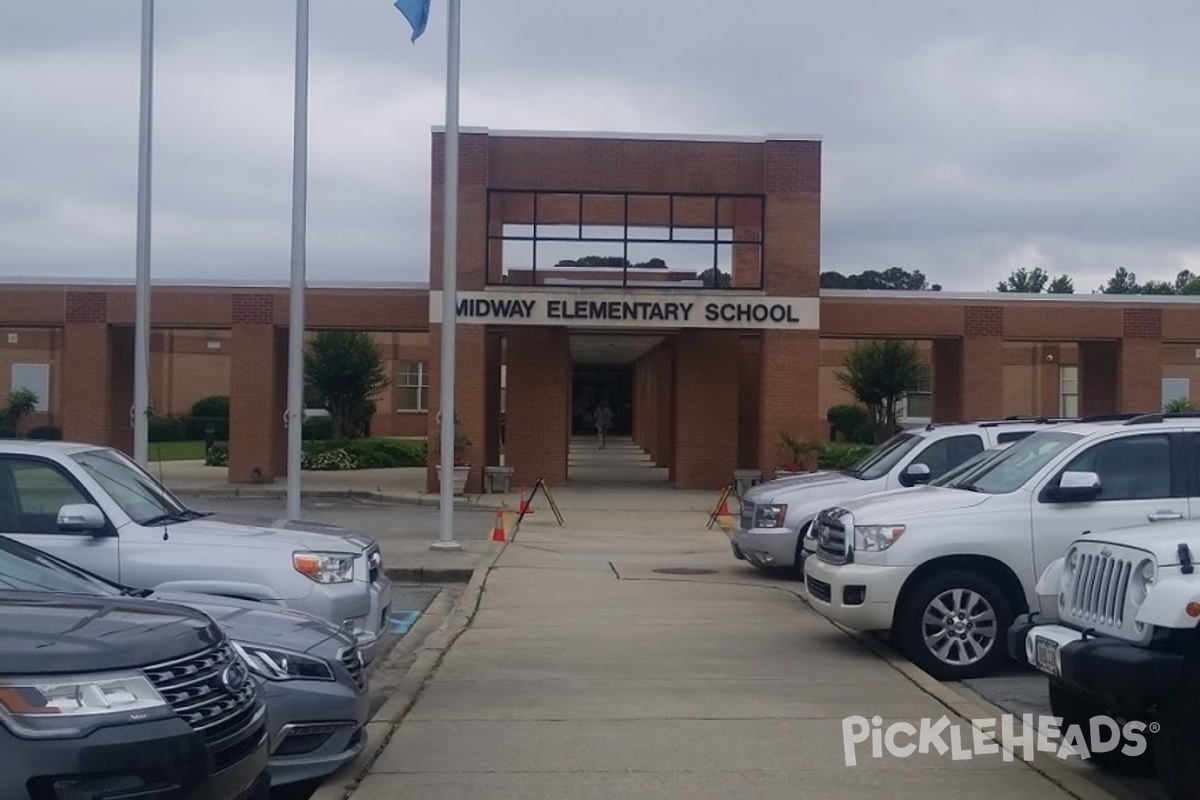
point(1077, 487)
point(915, 475)
point(81, 519)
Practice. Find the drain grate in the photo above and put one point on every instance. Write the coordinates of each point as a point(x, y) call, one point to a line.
point(685, 571)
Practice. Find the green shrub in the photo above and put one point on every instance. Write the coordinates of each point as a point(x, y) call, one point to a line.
point(376, 453)
point(46, 433)
point(196, 426)
point(216, 405)
point(166, 429)
point(841, 455)
point(317, 429)
point(7, 430)
point(218, 455)
point(847, 419)
point(334, 458)
point(352, 454)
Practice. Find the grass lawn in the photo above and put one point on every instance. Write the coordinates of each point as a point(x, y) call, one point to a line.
point(176, 451)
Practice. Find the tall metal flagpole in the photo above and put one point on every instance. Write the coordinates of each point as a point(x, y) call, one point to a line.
point(449, 285)
point(295, 387)
point(141, 319)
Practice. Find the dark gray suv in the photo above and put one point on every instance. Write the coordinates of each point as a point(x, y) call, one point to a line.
point(112, 697)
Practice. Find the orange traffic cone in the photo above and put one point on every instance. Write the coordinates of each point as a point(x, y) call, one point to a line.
point(525, 508)
point(498, 528)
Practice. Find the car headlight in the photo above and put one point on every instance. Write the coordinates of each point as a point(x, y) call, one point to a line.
point(325, 567)
point(1144, 575)
point(876, 538)
point(275, 664)
point(769, 516)
point(70, 705)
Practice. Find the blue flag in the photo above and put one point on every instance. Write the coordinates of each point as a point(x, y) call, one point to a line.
point(417, 14)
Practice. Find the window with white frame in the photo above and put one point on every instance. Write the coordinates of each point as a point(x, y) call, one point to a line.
point(918, 402)
point(1175, 390)
point(412, 386)
point(1068, 391)
point(34, 378)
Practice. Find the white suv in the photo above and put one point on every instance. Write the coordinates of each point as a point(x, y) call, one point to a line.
point(945, 569)
point(1119, 640)
point(775, 515)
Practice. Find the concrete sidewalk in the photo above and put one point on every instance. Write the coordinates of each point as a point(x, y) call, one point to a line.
point(587, 673)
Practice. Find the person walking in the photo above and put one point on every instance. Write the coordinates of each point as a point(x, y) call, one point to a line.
point(603, 419)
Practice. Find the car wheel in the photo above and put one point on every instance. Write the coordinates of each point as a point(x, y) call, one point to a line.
point(1075, 709)
point(1178, 741)
point(953, 625)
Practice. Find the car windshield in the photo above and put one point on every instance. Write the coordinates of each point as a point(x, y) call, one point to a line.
point(25, 569)
point(1013, 468)
point(879, 462)
point(967, 466)
point(144, 499)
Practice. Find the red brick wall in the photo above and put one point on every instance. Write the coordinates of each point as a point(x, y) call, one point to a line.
point(749, 385)
point(256, 429)
point(706, 409)
point(791, 365)
point(538, 405)
point(1098, 378)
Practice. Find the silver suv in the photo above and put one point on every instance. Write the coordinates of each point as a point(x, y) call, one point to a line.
point(774, 515)
point(93, 507)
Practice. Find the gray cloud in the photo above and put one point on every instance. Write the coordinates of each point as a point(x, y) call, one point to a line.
point(960, 139)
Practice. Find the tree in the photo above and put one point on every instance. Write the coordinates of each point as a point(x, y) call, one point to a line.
point(1061, 285)
point(1025, 281)
point(1122, 282)
point(20, 403)
point(891, 279)
point(346, 370)
point(877, 373)
point(723, 279)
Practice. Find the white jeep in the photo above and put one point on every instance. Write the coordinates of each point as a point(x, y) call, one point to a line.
point(1119, 638)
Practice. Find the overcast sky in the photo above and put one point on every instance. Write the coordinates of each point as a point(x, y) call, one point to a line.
point(962, 139)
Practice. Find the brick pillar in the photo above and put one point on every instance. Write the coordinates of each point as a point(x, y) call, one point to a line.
point(639, 401)
point(947, 364)
point(747, 230)
point(539, 404)
point(749, 385)
point(663, 422)
point(256, 428)
point(787, 399)
point(87, 405)
point(792, 255)
point(983, 362)
point(1098, 391)
point(494, 357)
point(706, 420)
point(1140, 364)
point(120, 388)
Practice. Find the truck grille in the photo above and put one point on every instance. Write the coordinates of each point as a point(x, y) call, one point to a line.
point(832, 529)
point(352, 661)
point(1097, 592)
point(213, 692)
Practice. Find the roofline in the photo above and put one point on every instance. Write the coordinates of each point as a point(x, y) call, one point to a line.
point(205, 283)
point(1010, 297)
point(637, 136)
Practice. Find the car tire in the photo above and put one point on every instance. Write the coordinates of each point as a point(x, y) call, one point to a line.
point(1076, 709)
point(1178, 740)
point(961, 614)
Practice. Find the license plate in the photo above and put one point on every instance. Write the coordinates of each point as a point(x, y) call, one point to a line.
point(1045, 655)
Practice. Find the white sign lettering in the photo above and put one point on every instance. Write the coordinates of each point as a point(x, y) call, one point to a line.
point(631, 309)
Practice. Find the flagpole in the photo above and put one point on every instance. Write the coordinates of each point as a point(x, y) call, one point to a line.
point(141, 317)
point(449, 284)
point(295, 384)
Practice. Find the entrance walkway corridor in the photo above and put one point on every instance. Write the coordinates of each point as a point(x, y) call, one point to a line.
point(587, 673)
point(621, 462)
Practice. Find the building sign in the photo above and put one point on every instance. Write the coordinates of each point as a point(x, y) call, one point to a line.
point(631, 309)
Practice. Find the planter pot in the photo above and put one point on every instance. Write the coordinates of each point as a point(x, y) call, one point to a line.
point(460, 478)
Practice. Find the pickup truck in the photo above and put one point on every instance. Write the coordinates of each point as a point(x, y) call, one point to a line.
point(95, 508)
